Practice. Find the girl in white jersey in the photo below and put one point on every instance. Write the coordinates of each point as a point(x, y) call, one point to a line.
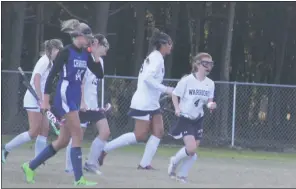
point(194, 91)
point(38, 124)
point(89, 102)
point(145, 108)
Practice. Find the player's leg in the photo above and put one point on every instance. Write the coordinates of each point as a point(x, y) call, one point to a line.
point(48, 152)
point(69, 167)
point(142, 127)
point(153, 141)
point(41, 140)
point(98, 144)
point(35, 120)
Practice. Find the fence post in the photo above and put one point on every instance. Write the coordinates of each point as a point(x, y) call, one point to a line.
point(103, 93)
point(233, 115)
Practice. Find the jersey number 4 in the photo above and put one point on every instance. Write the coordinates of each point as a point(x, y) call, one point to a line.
point(196, 103)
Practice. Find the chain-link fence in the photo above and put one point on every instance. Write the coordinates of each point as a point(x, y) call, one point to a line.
point(248, 115)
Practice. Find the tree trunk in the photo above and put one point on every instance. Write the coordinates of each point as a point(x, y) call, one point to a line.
point(140, 35)
point(102, 14)
point(225, 73)
point(39, 29)
point(172, 33)
point(15, 58)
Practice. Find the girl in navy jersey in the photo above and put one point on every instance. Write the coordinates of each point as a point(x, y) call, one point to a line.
point(89, 102)
point(38, 124)
point(71, 64)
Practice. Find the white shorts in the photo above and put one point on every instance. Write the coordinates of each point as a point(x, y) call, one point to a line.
point(143, 114)
point(30, 103)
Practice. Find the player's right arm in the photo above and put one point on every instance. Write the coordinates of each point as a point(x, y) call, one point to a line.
point(178, 92)
point(60, 60)
point(154, 68)
point(39, 70)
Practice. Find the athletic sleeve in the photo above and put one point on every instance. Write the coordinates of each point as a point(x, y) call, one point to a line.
point(180, 88)
point(212, 90)
point(41, 65)
point(60, 60)
point(95, 67)
point(152, 71)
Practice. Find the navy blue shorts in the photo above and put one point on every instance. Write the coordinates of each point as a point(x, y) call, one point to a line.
point(90, 116)
point(185, 126)
point(142, 114)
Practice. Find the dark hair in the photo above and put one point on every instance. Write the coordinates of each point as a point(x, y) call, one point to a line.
point(159, 38)
point(48, 45)
point(76, 28)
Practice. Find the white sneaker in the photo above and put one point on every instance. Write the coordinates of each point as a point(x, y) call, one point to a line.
point(172, 168)
point(181, 179)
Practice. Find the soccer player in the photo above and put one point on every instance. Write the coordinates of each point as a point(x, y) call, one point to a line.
point(71, 63)
point(194, 91)
point(38, 124)
point(145, 107)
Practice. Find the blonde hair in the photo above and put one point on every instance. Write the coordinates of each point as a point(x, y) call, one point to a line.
point(48, 45)
point(75, 28)
point(197, 59)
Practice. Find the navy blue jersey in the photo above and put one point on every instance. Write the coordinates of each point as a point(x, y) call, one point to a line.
point(71, 63)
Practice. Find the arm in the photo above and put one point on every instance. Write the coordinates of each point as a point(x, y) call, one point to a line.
point(39, 70)
point(178, 92)
point(57, 67)
point(212, 91)
point(151, 72)
point(95, 67)
point(82, 102)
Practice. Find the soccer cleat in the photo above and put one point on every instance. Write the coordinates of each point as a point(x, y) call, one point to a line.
point(4, 155)
point(83, 182)
point(101, 158)
point(92, 168)
point(182, 179)
point(148, 167)
point(172, 168)
point(29, 173)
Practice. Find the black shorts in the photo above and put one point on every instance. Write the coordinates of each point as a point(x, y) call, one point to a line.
point(90, 116)
point(142, 114)
point(185, 126)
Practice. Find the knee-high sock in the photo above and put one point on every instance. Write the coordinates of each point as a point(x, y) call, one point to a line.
point(40, 144)
point(186, 166)
point(69, 166)
point(96, 149)
point(150, 150)
point(17, 141)
point(123, 140)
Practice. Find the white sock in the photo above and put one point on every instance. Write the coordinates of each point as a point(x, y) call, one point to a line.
point(186, 166)
point(18, 140)
point(181, 154)
point(96, 149)
point(150, 150)
point(123, 140)
point(40, 144)
point(69, 166)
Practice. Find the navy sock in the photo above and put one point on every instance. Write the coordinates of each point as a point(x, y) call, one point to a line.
point(76, 158)
point(47, 153)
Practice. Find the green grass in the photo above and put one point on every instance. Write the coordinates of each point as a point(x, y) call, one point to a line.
point(166, 151)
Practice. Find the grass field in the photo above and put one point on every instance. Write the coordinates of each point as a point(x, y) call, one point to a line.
point(214, 168)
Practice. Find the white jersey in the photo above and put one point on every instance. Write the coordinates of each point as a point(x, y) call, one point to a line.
point(42, 67)
point(90, 88)
point(194, 94)
point(149, 87)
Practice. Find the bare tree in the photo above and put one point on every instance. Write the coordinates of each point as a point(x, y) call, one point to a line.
point(225, 67)
point(16, 41)
point(102, 14)
point(140, 35)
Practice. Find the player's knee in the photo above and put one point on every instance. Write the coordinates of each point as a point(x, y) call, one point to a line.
point(191, 148)
point(104, 134)
point(158, 133)
point(141, 136)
